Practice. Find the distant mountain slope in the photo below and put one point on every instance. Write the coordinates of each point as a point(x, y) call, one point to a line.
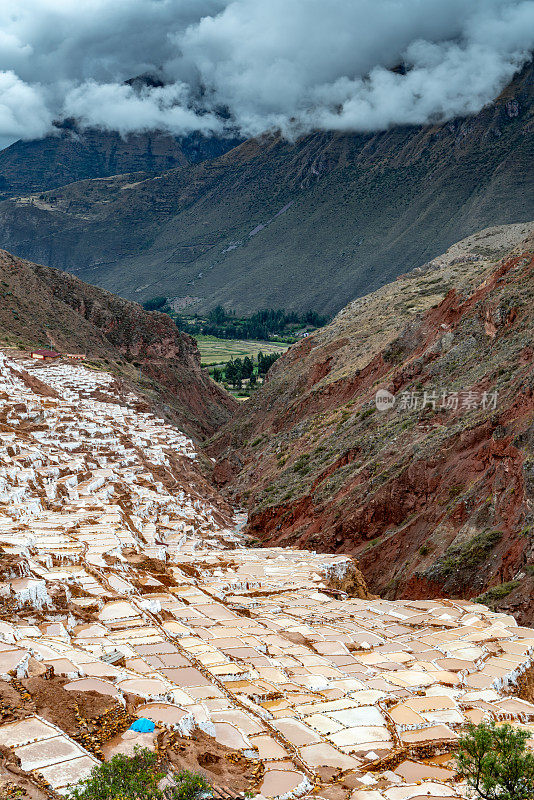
point(313, 223)
point(40, 306)
point(74, 155)
point(432, 501)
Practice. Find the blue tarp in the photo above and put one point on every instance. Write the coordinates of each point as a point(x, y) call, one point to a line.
point(143, 725)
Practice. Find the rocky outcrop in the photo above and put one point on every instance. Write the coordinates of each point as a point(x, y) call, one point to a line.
point(43, 306)
point(434, 494)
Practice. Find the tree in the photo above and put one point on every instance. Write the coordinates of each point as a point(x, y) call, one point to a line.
point(496, 763)
point(248, 367)
point(190, 786)
point(217, 315)
point(181, 324)
point(230, 372)
point(137, 776)
point(128, 777)
point(238, 365)
point(233, 372)
point(155, 303)
point(265, 362)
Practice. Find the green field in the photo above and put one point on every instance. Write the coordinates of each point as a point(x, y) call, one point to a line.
point(219, 351)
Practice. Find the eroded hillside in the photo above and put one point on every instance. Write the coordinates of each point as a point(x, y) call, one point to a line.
point(40, 306)
point(433, 495)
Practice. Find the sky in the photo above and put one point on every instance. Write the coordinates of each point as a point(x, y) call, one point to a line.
point(254, 66)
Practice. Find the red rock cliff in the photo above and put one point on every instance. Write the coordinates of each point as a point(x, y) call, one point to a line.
point(433, 500)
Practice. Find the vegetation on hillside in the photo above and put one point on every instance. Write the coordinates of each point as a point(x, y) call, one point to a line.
point(132, 777)
point(365, 208)
point(263, 325)
point(496, 763)
point(318, 463)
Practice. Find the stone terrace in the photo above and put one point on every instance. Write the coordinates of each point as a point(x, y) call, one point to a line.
point(129, 581)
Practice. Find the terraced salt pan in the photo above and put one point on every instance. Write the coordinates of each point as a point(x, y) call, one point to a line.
point(44, 747)
point(240, 641)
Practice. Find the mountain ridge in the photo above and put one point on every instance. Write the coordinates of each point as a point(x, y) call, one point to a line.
point(306, 224)
point(71, 154)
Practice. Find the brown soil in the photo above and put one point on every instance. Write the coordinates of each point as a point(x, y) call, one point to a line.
point(37, 386)
point(525, 686)
point(223, 767)
point(54, 703)
point(15, 784)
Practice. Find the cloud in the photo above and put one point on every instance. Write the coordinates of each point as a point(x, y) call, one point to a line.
point(293, 65)
point(122, 108)
point(23, 111)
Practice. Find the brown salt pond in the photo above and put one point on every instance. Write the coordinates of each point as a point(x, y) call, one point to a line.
point(296, 732)
point(99, 669)
point(235, 717)
point(279, 782)
point(67, 773)
point(166, 713)
point(268, 747)
point(413, 771)
point(427, 791)
point(11, 659)
point(435, 733)
point(324, 755)
point(42, 754)
point(230, 736)
point(143, 687)
point(92, 685)
point(31, 729)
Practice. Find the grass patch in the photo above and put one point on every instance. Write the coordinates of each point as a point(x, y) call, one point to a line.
point(497, 593)
point(467, 555)
point(301, 464)
point(425, 549)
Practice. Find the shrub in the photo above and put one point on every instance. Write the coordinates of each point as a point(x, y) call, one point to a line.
point(135, 777)
point(495, 762)
point(301, 464)
point(155, 303)
point(190, 786)
point(497, 593)
point(127, 777)
point(469, 554)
